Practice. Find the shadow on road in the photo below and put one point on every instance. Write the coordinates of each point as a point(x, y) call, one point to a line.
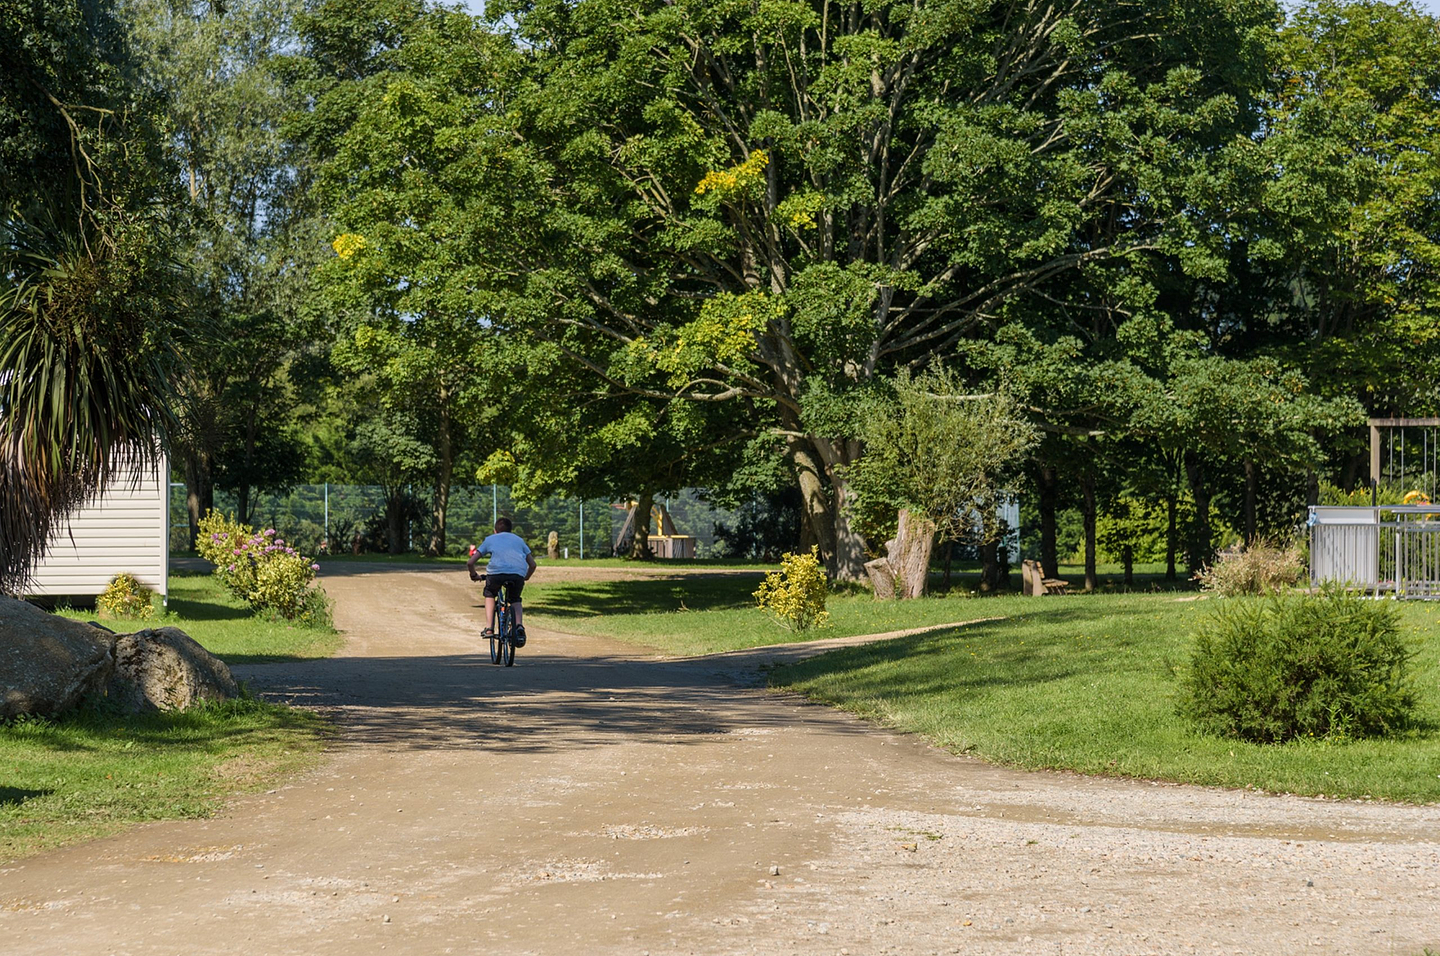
point(544, 703)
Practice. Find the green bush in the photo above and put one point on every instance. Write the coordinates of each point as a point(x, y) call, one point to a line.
point(262, 570)
point(1277, 668)
point(126, 597)
point(795, 595)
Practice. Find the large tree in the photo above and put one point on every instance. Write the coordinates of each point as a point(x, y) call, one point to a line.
point(780, 201)
point(227, 72)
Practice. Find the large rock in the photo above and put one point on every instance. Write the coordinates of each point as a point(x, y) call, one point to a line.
point(165, 669)
point(47, 662)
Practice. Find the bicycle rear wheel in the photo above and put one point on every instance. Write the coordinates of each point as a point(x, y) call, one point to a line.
point(497, 639)
point(508, 646)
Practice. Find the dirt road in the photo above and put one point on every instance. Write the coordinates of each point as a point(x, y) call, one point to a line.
point(591, 801)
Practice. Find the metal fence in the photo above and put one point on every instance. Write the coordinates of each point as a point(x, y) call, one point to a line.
point(334, 513)
point(1392, 550)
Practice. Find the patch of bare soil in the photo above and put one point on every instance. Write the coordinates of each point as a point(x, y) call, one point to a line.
point(592, 801)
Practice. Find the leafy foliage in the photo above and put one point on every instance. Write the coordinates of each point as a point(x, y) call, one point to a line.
point(90, 296)
point(262, 570)
point(1278, 668)
point(938, 451)
point(126, 597)
point(795, 595)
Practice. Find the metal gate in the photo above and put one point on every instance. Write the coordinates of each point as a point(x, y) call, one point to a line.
point(1392, 549)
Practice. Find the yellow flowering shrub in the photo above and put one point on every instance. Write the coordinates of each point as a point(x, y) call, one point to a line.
point(737, 179)
point(795, 595)
point(347, 244)
point(126, 597)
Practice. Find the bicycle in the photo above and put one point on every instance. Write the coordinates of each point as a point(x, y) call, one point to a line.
point(502, 641)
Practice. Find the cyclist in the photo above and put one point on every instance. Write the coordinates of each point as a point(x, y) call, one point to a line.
point(511, 565)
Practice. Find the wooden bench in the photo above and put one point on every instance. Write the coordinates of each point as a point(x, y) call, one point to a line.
point(1035, 584)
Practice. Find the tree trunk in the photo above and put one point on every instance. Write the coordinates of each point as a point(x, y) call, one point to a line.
point(1312, 489)
point(949, 547)
point(1049, 560)
point(641, 548)
point(910, 558)
point(242, 492)
point(848, 562)
point(1252, 494)
point(1087, 486)
point(1127, 556)
point(1172, 536)
point(395, 521)
point(989, 566)
point(1199, 551)
point(816, 525)
point(442, 483)
point(199, 493)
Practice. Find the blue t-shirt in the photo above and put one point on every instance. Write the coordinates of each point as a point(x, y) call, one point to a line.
point(507, 553)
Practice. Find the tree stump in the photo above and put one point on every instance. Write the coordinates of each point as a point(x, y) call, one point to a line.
point(905, 570)
point(552, 546)
point(882, 579)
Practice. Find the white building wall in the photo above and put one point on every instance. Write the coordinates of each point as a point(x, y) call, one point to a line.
point(127, 528)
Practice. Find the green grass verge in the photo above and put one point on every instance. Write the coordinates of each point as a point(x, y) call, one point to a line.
point(201, 607)
point(1089, 684)
point(91, 773)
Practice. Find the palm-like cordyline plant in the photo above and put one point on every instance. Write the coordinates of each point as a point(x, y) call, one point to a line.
point(89, 324)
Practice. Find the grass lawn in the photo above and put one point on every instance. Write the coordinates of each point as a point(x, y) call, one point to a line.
point(702, 614)
point(1084, 683)
point(92, 773)
point(1088, 684)
point(201, 607)
point(699, 613)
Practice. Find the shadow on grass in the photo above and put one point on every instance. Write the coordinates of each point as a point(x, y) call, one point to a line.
point(191, 610)
point(928, 667)
point(14, 796)
point(649, 595)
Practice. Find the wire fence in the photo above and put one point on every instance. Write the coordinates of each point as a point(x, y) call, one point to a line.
point(333, 515)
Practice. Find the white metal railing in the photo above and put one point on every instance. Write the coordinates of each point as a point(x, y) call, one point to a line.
point(1391, 549)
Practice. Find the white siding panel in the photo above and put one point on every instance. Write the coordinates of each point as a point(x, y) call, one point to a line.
point(126, 529)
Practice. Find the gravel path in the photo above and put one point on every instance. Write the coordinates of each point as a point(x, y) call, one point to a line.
point(590, 800)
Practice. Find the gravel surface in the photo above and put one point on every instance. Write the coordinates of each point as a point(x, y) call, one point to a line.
point(591, 800)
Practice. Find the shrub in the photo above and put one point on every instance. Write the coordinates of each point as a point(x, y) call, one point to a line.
point(126, 597)
point(1262, 568)
point(1272, 669)
point(262, 570)
point(795, 595)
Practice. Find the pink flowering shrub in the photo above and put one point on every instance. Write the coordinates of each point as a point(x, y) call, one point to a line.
point(259, 568)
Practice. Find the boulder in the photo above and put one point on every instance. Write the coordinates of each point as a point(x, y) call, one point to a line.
point(47, 662)
point(165, 669)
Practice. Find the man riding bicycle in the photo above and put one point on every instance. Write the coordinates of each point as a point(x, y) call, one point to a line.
point(511, 565)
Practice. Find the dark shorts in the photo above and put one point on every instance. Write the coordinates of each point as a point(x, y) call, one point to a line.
point(513, 584)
